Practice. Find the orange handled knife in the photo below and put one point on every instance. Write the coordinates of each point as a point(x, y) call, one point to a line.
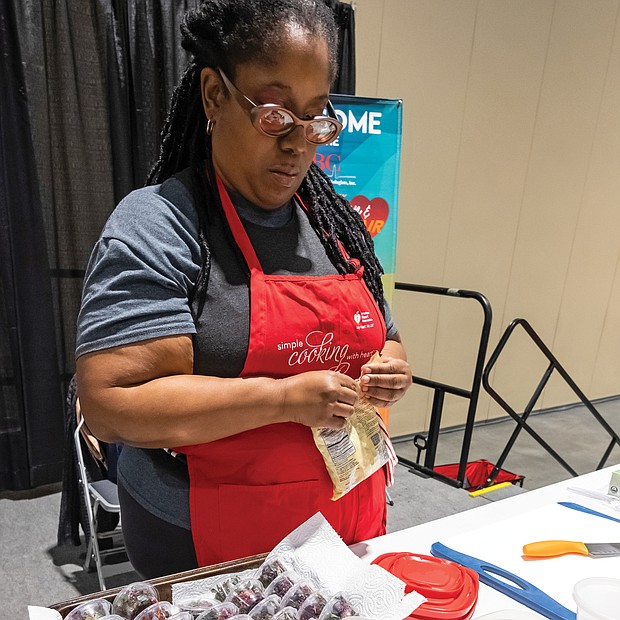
point(554, 548)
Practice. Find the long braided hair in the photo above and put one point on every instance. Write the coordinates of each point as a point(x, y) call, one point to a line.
point(223, 34)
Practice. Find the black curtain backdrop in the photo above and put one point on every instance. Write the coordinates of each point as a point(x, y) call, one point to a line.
point(345, 18)
point(84, 91)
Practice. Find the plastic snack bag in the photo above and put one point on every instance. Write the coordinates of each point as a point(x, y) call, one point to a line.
point(358, 450)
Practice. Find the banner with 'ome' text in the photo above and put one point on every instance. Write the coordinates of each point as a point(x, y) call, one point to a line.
point(364, 165)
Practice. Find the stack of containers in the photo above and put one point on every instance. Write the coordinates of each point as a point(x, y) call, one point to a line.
point(451, 590)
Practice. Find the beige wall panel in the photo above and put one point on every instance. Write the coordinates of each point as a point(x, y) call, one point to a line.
point(431, 78)
point(419, 336)
point(509, 183)
point(604, 381)
point(573, 83)
point(595, 254)
point(424, 60)
point(368, 41)
point(505, 76)
point(416, 316)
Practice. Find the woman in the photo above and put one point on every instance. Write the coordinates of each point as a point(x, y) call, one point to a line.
point(217, 314)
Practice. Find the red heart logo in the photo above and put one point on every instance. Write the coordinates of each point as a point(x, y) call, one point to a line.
point(374, 212)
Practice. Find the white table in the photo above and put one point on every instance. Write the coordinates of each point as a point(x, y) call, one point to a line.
point(497, 531)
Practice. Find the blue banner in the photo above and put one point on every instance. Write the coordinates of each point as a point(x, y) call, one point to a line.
point(364, 166)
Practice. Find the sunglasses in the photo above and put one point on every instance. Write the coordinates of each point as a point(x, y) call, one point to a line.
point(275, 121)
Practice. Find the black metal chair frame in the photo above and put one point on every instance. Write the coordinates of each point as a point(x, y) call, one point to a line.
point(428, 442)
point(522, 417)
point(98, 495)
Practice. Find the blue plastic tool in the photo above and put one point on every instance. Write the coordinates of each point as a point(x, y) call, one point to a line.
point(502, 580)
point(588, 510)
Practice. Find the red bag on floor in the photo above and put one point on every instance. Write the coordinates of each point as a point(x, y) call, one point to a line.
point(477, 473)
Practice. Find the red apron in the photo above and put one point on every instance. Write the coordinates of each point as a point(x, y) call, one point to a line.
point(248, 491)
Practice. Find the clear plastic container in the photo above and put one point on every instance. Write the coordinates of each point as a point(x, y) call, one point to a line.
point(113, 617)
point(182, 615)
point(297, 595)
point(266, 609)
point(270, 569)
point(286, 613)
point(158, 611)
point(338, 607)
point(198, 604)
point(246, 594)
point(92, 610)
point(597, 598)
point(221, 611)
point(134, 598)
point(312, 607)
point(223, 587)
point(282, 583)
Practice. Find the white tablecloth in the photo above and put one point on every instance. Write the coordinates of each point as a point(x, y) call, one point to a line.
point(496, 533)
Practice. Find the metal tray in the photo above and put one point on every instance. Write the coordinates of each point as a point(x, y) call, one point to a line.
point(164, 584)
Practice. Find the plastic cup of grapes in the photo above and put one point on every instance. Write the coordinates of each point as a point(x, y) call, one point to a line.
point(162, 610)
point(92, 610)
point(270, 569)
point(246, 594)
point(223, 587)
point(297, 595)
point(134, 598)
point(338, 607)
point(198, 604)
point(286, 613)
point(312, 607)
point(266, 609)
point(221, 611)
point(282, 583)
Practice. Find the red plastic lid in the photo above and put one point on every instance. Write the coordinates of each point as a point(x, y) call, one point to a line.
point(451, 590)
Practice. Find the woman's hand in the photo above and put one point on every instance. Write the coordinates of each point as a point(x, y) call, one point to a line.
point(385, 382)
point(321, 398)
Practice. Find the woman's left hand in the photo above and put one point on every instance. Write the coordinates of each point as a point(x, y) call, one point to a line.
point(385, 382)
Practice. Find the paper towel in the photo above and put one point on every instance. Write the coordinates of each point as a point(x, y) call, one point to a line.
point(315, 551)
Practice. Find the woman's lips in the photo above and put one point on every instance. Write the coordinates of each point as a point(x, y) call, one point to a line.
point(287, 178)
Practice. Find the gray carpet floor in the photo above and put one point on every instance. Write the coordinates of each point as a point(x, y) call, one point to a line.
point(34, 571)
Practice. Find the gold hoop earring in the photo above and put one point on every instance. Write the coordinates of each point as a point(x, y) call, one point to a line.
point(210, 125)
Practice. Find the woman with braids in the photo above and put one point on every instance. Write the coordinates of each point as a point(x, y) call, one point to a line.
point(230, 305)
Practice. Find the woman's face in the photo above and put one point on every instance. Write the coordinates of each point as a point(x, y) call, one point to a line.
point(268, 171)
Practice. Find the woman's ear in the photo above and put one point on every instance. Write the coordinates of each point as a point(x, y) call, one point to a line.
point(211, 90)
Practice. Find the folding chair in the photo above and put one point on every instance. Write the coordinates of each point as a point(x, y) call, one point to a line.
point(99, 494)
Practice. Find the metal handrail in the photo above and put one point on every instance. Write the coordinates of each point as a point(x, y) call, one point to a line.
point(429, 442)
point(521, 418)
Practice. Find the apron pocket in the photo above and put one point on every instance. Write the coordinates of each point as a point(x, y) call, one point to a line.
point(254, 519)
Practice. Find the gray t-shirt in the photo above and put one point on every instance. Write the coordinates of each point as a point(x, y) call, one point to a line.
point(138, 286)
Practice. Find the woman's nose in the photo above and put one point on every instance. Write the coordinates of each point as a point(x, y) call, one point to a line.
point(295, 141)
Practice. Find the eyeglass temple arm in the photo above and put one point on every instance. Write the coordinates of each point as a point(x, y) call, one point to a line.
point(330, 109)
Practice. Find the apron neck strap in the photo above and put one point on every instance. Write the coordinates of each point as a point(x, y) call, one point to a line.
point(239, 233)
point(245, 245)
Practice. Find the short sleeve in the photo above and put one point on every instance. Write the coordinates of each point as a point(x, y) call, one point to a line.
point(390, 326)
point(141, 271)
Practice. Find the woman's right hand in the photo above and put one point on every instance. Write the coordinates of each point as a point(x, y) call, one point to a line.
point(321, 398)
